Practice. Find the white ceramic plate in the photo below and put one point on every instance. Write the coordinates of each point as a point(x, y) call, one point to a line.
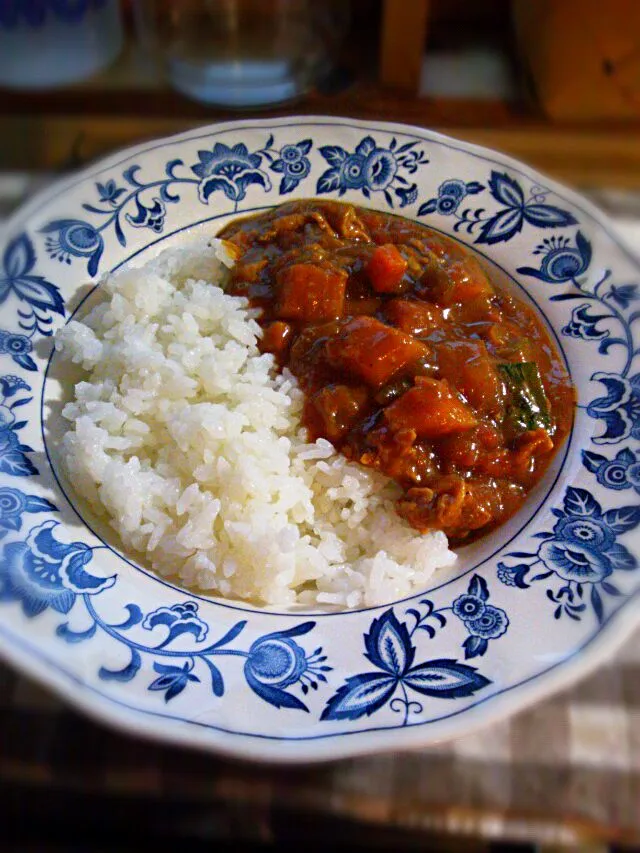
point(525, 611)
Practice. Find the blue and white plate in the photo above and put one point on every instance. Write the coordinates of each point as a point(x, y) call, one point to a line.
point(524, 612)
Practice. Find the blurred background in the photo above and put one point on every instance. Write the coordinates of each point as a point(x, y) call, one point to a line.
point(556, 83)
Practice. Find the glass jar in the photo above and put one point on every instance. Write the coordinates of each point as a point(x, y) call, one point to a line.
point(242, 53)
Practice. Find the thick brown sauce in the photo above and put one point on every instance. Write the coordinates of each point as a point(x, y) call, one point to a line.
point(399, 342)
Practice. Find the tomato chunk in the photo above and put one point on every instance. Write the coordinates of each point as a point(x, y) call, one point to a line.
point(386, 269)
point(415, 318)
point(276, 338)
point(373, 351)
point(309, 292)
point(431, 409)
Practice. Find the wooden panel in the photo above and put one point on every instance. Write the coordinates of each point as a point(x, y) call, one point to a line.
point(402, 42)
point(583, 56)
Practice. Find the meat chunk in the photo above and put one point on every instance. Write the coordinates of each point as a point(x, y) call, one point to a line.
point(372, 351)
point(333, 410)
point(310, 293)
point(465, 280)
point(431, 409)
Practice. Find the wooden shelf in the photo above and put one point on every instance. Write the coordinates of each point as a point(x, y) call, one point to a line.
point(129, 104)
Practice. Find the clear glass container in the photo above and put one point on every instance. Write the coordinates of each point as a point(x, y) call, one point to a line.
point(242, 53)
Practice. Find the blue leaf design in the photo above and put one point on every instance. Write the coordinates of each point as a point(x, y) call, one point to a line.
point(19, 257)
point(535, 273)
point(65, 633)
point(365, 147)
point(503, 226)
point(16, 464)
point(584, 247)
point(610, 589)
point(621, 558)
point(22, 402)
point(167, 196)
point(478, 586)
point(134, 618)
point(547, 216)
point(333, 154)
point(581, 503)
point(592, 461)
point(94, 260)
point(622, 519)
point(25, 361)
point(287, 184)
point(506, 189)
point(37, 504)
point(217, 684)
point(474, 647)
point(231, 634)
point(445, 679)
point(39, 292)
point(277, 166)
point(474, 187)
point(328, 181)
point(119, 233)
point(130, 175)
point(129, 672)
point(273, 695)
point(388, 644)
point(360, 695)
point(596, 602)
point(305, 146)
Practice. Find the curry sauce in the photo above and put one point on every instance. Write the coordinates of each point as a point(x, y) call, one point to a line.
point(412, 361)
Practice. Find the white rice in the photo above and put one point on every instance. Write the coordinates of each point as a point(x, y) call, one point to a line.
point(187, 439)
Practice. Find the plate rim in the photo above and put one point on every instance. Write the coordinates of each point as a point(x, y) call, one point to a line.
point(561, 675)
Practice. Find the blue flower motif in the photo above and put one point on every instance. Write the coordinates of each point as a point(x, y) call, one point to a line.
point(18, 347)
point(371, 168)
point(276, 661)
point(293, 164)
point(513, 575)
point(561, 262)
point(72, 238)
point(231, 170)
point(109, 192)
point(450, 195)
point(624, 294)
point(483, 621)
point(468, 607)
point(180, 618)
point(584, 546)
point(44, 572)
point(148, 217)
point(16, 277)
point(619, 408)
point(584, 325)
point(172, 679)
point(491, 624)
point(389, 647)
point(9, 384)
point(618, 473)
point(14, 503)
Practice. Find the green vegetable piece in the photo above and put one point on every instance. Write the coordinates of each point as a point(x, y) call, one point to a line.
point(528, 407)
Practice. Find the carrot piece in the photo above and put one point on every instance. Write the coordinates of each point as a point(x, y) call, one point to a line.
point(386, 269)
point(465, 280)
point(468, 366)
point(431, 409)
point(311, 293)
point(369, 349)
point(415, 318)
